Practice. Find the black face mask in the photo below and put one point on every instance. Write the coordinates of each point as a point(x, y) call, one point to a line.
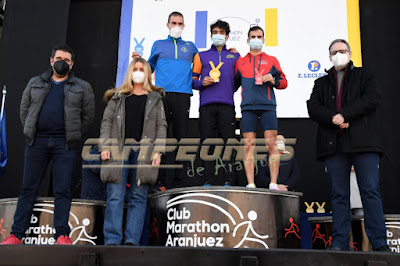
point(61, 67)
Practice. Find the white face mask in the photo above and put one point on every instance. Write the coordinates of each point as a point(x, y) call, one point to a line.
point(256, 44)
point(340, 60)
point(218, 39)
point(138, 77)
point(175, 32)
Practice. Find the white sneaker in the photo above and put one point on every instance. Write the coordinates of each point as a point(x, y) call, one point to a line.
point(273, 186)
point(252, 185)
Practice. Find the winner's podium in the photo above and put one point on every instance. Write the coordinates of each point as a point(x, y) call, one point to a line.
point(230, 217)
point(86, 220)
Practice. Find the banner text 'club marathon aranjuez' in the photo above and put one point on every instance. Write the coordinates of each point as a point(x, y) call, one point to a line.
point(297, 33)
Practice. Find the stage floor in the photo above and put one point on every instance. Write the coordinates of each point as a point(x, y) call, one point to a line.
point(163, 256)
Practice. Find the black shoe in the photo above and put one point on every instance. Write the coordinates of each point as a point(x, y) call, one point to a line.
point(334, 248)
point(384, 249)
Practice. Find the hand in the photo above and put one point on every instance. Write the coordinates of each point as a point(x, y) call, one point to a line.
point(344, 125)
point(338, 119)
point(135, 55)
point(208, 81)
point(233, 50)
point(156, 159)
point(283, 187)
point(105, 155)
point(268, 78)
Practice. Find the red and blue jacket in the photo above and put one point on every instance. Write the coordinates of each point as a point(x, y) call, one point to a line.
point(259, 97)
point(171, 59)
point(222, 91)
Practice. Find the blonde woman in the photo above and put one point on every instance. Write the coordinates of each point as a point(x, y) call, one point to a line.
point(134, 111)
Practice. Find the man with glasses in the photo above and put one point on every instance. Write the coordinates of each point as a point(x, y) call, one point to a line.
point(344, 104)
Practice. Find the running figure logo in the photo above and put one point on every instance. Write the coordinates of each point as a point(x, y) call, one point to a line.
point(154, 228)
point(252, 215)
point(292, 229)
point(82, 228)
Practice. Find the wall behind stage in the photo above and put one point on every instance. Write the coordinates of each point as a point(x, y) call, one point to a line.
point(32, 28)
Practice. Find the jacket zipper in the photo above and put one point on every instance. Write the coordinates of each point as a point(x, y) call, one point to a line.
point(176, 49)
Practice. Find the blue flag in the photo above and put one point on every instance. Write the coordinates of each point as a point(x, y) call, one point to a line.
point(3, 139)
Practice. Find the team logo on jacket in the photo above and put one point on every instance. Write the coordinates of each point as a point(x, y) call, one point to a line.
point(184, 49)
point(230, 56)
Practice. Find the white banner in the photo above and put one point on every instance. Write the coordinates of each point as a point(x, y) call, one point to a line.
point(304, 30)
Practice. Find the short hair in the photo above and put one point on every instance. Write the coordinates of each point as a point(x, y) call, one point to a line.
point(64, 48)
point(222, 25)
point(254, 28)
point(339, 40)
point(173, 14)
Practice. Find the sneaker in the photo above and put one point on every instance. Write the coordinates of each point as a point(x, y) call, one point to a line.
point(207, 184)
point(227, 184)
point(273, 186)
point(384, 249)
point(12, 240)
point(252, 185)
point(64, 240)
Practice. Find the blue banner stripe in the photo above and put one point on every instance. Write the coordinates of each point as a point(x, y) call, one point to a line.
point(201, 29)
point(124, 40)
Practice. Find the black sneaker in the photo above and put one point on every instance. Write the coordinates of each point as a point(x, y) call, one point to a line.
point(384, 249)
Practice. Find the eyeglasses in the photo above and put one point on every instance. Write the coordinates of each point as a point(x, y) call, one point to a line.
point(343, 51)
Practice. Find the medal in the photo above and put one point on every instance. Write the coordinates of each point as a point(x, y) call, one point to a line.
point(139, 47)
point(214, 72)
point(258, 77)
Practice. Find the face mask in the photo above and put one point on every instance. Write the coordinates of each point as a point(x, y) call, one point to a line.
point(256, 44)
point(61, 67)
point(138, 77)
point(175, 32)
point(218, 39)
point(340, 60)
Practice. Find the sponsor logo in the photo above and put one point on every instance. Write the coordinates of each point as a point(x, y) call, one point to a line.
point(42, 234)
point(314, 67)
point(184, 49)
point(209, 232)
point(230, 56)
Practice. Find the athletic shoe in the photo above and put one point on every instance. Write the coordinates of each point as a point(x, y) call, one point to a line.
point(64, 240)
point(12, 240)
point(273, 186)
point(252, 185)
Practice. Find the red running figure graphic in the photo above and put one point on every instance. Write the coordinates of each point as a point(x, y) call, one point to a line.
point(292, 229)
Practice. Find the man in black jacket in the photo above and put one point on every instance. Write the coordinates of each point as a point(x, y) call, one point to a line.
point(344, 105)
point(56, 110)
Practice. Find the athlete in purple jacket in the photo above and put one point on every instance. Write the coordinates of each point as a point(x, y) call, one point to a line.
point(213, 76)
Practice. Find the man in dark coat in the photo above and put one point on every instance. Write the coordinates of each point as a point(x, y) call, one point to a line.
point(344, 104)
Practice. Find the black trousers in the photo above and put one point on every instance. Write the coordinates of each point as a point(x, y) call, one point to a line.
point(176, 107)
point(217, 121)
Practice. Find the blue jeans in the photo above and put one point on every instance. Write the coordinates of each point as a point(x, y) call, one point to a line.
point(136, 211)
point(36, 160)
point(367, 172)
